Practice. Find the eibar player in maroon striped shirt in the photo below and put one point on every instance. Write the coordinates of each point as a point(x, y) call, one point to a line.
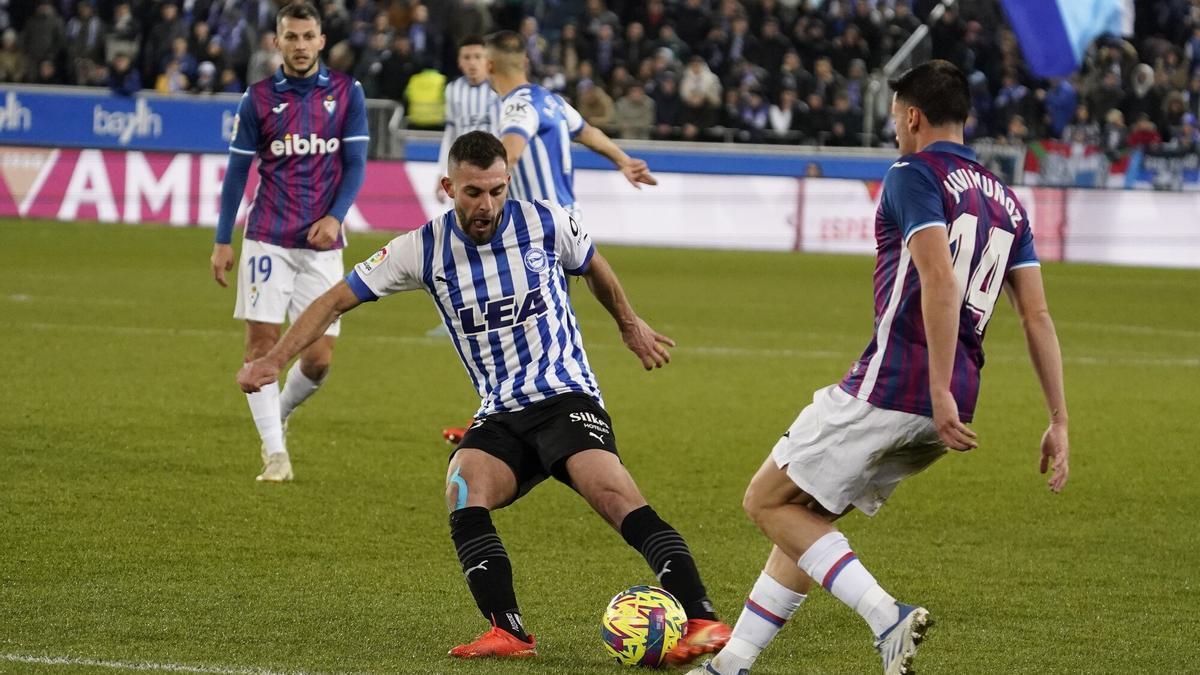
point(949, 236)
point(307, 125)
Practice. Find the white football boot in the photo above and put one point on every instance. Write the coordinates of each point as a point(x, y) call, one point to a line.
point(898, 644)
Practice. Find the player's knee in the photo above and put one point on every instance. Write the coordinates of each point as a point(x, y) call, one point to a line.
point(457, 491)
point(753, 503)
point(613, 503)
point(317, 367)
point(257, 346)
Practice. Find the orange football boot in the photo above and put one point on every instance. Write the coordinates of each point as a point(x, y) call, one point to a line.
point(497, 642)
point(700, 637)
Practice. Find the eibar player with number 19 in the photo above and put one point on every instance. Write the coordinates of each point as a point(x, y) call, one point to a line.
point(308, 127)
point(949, 236)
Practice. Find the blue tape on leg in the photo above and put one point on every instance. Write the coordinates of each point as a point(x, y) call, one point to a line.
point(461, 482)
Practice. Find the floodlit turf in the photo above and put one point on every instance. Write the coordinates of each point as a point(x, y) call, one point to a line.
point(132, 531)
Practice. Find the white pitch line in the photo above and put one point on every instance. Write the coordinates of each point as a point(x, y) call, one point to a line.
point(1148, 360)
point(1132, 329)
point(137, 665)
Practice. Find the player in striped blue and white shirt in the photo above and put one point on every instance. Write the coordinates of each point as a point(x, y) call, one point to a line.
point(537, 127)
point(471, 103)
point(496, 270)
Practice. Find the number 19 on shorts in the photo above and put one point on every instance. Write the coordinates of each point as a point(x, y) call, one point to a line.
point(260, 268)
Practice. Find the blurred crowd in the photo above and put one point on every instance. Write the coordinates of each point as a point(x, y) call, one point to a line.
point(777, 71)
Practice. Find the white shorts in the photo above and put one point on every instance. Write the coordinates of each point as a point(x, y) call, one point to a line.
point(843, 451)
point(276, 283)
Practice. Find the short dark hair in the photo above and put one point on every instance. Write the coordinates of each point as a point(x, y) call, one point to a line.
point(506, 41)
point(478, 148)
point(300, 9)
point(470, 41)
point(938, 88)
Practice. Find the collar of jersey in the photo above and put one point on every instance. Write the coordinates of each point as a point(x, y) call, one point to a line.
point(519, 87)
point(952, 148)
point(452, 222)
point(284, 83)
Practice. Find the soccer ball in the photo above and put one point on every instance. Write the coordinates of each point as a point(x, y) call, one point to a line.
point(641, 625)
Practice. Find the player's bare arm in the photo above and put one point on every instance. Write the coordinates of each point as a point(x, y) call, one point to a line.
point(222, 262)
point(940, 305)
point(514, 146)
point(324, 233)
point(1028, 297)
point(649, 345)
point(635, 170)
point(305, 330)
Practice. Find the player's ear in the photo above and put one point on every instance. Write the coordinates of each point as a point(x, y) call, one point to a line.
point(448, 186)
point(321, 39)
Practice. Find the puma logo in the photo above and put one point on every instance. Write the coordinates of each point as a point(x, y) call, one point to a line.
point(480, 566)
point(666, 568)
point(597, 437)
point(279, 108)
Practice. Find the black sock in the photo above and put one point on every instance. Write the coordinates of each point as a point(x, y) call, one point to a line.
point(670, 559)
point(488, 570)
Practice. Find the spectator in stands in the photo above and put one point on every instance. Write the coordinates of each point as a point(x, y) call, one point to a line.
point(126, 34)
point(370, 63)
point(785, 117)
point(47, 73)
point(469, 17)
point(1187, 137)
point(856, 82)
point(425, 95)
point(667, 39)
point(1173, 112)
point(1018, 131)
point(123, 78)
point(1115, 133)
point(817, 123)
point(729, 119)
point(14, 66)
point(206, 78)
point(692, 22)
point(634, 114)
point(1144, 97)
point(1105, 96)
point(791, 75)
point(335, 24)
point(229, 82)
point(755, 114)
point(636, 47)
point(595, 105)
point(605, 51)
point(264, 60)
point(1082, 129)
point(849, 47)
point(199, 41)
point(536, 46)
point(668, 109)
point(361, 19)
point(44, 37)
point(157, 45)
point(172, 80)
point(397, 68)
point(772, 46)
point(700, 91)
point(1060, 101)
point(86, 34)
point(597, 15)
point(850, 119)
point(1013, 100)
point(569, 51)
point(826, 82)
point(1144, 133)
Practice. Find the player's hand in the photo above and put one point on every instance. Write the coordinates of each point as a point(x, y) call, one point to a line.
point(636, 171)
point(950, 428)
point(1055, 449)
point(257, 374)
point(440, 192)
point(649, 345)
point(324, 233)
point(222, 262)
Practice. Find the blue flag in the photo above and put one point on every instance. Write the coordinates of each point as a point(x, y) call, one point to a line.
point(1055, 33)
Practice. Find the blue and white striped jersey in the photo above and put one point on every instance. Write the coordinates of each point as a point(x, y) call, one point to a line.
point(468, 108)
point(548, 123)
point(505, 303)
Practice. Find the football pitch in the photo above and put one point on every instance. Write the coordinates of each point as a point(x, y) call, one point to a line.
point(133, 534)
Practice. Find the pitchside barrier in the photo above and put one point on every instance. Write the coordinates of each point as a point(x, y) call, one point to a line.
point(84, 154)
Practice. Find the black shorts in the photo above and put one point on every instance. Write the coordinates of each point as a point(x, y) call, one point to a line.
point(536, 441)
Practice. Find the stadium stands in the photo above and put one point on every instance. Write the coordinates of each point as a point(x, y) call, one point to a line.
point(775, 71)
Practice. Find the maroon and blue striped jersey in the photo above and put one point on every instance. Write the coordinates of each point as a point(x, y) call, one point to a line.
point(989, 235)
point(297, 133)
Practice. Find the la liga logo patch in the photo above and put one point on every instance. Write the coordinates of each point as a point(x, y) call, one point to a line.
point(374, 261)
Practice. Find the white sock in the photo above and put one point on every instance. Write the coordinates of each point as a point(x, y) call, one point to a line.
point(831, 563)
point(296, 390)
point(769, 606)
point(264, 408)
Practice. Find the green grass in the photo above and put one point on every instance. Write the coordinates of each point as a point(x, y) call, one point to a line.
point(131, 528)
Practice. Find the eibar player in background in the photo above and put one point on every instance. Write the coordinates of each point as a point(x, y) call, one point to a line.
point(471, 105)
point(497, 272)
point(537, 127)
point(949, 236)
point(308, 127)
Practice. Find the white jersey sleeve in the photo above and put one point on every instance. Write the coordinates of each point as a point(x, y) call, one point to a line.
point(519, 116)
point(395, 267)
point(572, 244)
point(575, 122)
